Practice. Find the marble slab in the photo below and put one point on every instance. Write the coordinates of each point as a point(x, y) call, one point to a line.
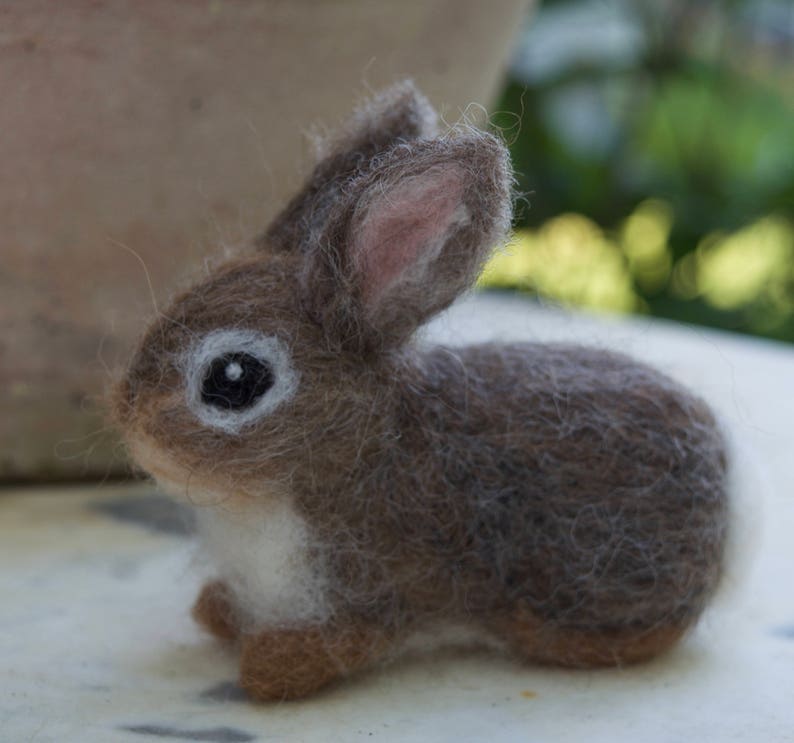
point(96, 644)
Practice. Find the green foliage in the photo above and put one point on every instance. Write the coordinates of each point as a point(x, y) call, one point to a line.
point(678, 156)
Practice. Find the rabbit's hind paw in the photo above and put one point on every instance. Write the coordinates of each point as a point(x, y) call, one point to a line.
point(574, 647)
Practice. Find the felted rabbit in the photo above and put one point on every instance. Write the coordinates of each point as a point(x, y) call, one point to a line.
point(565, 504)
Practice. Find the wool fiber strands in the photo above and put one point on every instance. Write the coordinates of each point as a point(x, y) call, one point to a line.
point(561, 504)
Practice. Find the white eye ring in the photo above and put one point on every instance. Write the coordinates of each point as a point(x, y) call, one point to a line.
point(267, 348)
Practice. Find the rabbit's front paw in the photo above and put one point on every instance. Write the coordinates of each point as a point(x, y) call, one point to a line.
point(214, 611)
point(288, 664)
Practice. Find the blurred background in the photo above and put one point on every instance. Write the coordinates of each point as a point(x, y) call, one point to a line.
point(654, 144)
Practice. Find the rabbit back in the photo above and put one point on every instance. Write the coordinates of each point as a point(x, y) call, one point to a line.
point(572, 482)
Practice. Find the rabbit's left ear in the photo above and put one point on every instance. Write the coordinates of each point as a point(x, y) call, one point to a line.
point(419, 226)
point(399, 114)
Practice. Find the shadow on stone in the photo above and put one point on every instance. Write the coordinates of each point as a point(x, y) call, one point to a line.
point(207, 735)
point(152, 511)
point(226, 691)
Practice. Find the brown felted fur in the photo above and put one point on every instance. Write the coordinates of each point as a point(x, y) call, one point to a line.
point(214, 610)
point(542, 642)
point(288, 664)
point(566, 502)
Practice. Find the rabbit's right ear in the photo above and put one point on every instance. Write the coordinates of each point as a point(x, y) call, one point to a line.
point(406, 238)
point(398, 114)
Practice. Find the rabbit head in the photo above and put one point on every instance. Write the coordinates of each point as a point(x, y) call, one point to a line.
point(281, 361)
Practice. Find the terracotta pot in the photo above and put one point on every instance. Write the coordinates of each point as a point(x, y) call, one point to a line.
point(138, 137)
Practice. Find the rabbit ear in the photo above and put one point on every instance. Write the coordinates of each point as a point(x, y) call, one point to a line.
point(418, 227)
point(398, 114)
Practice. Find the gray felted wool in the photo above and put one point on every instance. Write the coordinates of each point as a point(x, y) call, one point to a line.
point(564, 504)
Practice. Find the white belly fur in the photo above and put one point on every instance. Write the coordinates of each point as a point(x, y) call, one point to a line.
point(262, 552)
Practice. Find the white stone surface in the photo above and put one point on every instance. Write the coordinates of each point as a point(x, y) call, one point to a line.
point(96, 645)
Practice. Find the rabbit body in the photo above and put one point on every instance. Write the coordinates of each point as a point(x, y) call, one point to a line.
point(568, 503)
point(564, 480)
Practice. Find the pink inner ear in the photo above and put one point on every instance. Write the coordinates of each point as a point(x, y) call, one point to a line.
point(404, 229)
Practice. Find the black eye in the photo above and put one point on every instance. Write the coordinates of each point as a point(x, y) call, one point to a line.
point(235, 381)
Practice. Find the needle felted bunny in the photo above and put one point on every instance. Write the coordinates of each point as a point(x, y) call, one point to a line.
point(563, 503)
